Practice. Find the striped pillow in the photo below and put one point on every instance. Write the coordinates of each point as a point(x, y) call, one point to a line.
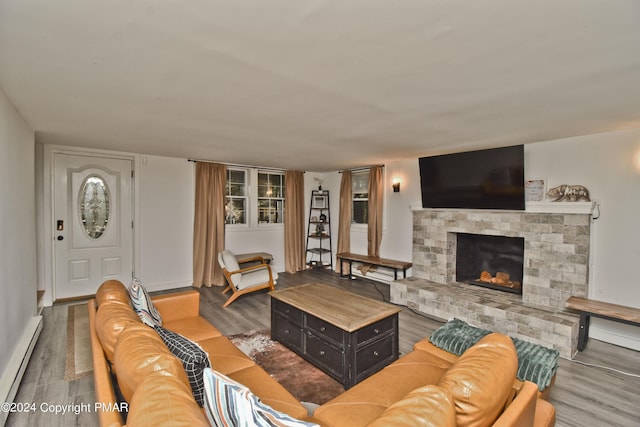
point(231, 404)
point(194, 359)
point(143, 305)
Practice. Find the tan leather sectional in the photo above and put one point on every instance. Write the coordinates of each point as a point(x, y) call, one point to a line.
point(427, 387)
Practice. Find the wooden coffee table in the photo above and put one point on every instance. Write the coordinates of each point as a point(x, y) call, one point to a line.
point(348, 336)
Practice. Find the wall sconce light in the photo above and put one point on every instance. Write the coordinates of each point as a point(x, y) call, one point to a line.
point(396, 185)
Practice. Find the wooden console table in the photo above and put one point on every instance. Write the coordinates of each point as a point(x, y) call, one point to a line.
point(373, 260)
point(604, 310)
point(348, 336)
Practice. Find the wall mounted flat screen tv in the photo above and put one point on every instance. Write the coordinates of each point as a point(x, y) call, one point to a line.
point(483, 179)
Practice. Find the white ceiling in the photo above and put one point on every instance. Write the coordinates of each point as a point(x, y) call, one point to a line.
point(319, 84)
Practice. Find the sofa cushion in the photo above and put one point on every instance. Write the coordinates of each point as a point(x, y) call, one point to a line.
point(111, 319)
point(269, 391)
point(139, 353)
point(481, 380)
point(428, 406)
point(193, 358)
point(143, 305)
point(229, 403)
point(160, 398)
point(112, 291)
point(225, 357)
point(194, 328)
point(366, 402)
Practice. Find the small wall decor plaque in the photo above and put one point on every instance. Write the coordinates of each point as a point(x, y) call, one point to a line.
point(534, 190)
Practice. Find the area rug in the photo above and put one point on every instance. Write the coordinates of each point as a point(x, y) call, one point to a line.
point(303, 380)
point(78, 358)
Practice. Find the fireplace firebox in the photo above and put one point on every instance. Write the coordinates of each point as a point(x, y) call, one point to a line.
point(495, 262)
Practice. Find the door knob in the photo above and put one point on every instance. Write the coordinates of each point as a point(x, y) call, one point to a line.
point(60, 237)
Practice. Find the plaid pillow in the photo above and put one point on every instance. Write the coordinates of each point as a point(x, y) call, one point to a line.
point(231, 404)
point(193, 357)
point(142, 304)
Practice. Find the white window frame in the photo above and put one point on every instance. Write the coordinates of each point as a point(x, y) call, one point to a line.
point(246, 197)
point(353, 198)
point(281, 199)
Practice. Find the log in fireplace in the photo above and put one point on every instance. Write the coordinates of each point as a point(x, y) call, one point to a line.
point(495, 262)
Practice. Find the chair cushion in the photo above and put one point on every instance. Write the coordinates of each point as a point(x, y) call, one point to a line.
point(143, 305)
point(481, 380)
point(194, 359)
point(252, 278)
point(230, 261)
point(229, 403)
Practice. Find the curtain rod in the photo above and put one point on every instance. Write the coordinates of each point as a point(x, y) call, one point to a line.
point(363, 168)
point(239, 165)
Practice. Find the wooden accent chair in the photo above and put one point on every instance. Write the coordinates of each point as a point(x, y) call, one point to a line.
point(245, 280)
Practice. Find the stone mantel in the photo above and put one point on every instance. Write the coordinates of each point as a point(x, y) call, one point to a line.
point(540, 207)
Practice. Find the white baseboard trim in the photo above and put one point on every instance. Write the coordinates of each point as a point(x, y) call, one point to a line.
point(614, 338)
point(14, 371)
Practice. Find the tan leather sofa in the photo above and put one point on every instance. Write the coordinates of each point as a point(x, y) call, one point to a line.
point(427, 387)
point(150, 378)
point(431, 387)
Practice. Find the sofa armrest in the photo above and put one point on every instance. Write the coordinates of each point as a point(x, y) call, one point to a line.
point(522, 410)
point(178, 305)
point(103, 385)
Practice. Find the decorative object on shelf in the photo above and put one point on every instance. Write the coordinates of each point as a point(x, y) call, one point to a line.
point(314, 219)
point(319, 181)
point(534, 190)
point(396, 185)
point(323, 218)
point(569, 193)
point(319, 229)
point(319, 202)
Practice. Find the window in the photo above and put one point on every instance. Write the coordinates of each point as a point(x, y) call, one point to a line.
point(270, 198)
point(235, 206)
point(360, 197)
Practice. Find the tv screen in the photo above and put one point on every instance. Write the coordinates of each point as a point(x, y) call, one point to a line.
point(484, 179)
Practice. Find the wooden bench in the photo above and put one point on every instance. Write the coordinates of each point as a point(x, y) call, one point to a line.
point(373, 260)
point(588, 307)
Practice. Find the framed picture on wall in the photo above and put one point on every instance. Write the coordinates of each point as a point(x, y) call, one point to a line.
point(535, 190)
point(319, 202)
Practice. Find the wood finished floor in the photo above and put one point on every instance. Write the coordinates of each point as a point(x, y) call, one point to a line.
point(583, 396)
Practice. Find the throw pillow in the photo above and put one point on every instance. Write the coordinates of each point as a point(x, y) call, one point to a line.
point(456, 336)
point(194, 359)
point(231, 404)
point(143, 305)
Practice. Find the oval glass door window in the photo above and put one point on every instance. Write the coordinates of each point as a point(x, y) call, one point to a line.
point(93, 202)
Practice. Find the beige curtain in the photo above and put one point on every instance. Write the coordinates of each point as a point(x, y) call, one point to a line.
point(374, 230)
point(344, 219)
point(294, 250)
point(208, 229)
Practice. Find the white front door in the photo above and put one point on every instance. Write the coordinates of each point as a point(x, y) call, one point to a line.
point(93, 228)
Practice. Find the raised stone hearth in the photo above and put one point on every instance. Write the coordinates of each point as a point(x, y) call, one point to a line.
point(556, 260)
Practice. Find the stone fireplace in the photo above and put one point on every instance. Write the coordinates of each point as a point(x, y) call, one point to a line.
point(554, 257)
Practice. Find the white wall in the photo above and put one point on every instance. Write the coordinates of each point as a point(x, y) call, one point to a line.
point(165, 222)
point(608, 165)
point(18, 311)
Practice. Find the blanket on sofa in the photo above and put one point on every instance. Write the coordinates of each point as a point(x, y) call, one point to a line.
point(536, 363)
